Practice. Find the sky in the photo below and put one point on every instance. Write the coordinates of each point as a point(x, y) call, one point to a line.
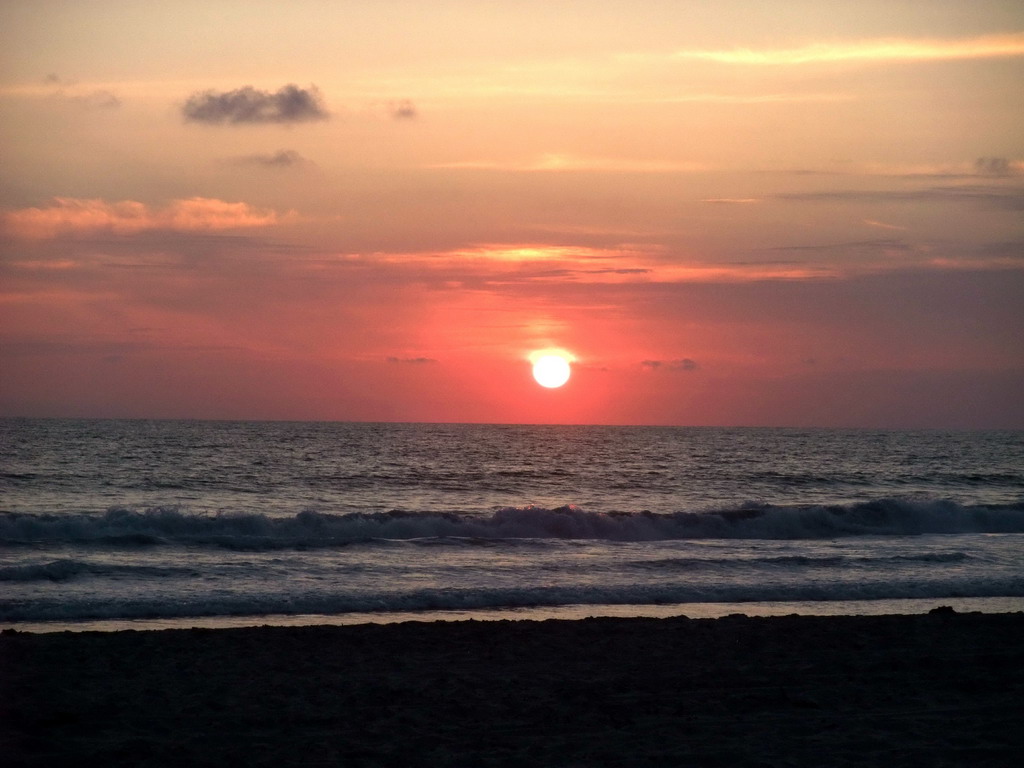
point(740, 212)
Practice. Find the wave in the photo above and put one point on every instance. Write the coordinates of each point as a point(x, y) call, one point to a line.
point(67, 569)
point(311, 529)
point(58, 570)
point(797, 561)
point(62, 609)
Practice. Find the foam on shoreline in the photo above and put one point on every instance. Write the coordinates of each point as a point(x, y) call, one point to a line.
point(540, 613)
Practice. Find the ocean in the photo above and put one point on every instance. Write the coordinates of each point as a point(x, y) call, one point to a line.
point(108, 524)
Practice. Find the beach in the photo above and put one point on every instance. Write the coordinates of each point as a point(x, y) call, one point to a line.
point(943, 688)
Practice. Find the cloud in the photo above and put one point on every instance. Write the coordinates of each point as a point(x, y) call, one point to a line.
point(411, 360)
point(499, 267)
point(682, 364)
point(110, 351)
point(886, 245)
point(883, 225)
point(998, 166)
point(884, 50)
point(1008, 198)
point(1010, 250)
point(555, 162)
point(404, 110)
point(752, 98)
point(75, 216)
point(290, 104)
point(283, 158)
point(983, 166)
point(100, 98)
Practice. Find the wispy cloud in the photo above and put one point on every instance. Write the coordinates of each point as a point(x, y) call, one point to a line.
point(283, 158)
point(1007, 198)
point(290, 104)
point(71, 92)
point(499, 267)
point(883, 225)
point(504, 252)
point(884, 50)
point(411, 360)
point(75, 216)
point(886, 246)
point(555, 162)
point(992, 167)
point(682, 364)
point(747, 98)
point(998, 166)
point(403, 110)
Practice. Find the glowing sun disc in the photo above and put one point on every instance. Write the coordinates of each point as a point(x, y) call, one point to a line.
point(551, 371)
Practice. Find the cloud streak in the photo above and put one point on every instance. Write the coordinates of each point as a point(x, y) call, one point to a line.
point(558, 162)
point(682, 364)
point(283, 158)
point(290, 104)
point(68, 216)
point(99, 98)
point(883, 225)
point(731, 200)
point(884, 50)
point(1006, 198)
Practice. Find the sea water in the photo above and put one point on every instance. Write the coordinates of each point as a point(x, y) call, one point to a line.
point(178, 523)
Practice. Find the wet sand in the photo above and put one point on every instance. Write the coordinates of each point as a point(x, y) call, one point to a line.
point(942, 689)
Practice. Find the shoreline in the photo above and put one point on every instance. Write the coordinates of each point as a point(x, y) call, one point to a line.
point(941, 688)
point(900, 606)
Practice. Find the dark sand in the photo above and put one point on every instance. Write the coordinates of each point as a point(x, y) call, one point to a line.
point(935, 690)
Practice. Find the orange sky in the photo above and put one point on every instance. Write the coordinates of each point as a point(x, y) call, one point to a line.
point(732, 213)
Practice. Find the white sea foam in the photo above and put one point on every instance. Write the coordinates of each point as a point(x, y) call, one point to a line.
point(288, 603)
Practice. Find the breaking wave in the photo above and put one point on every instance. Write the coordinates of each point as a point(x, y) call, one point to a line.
point(310, 529)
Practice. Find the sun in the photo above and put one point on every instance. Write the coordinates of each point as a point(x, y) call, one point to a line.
point(551, 370)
